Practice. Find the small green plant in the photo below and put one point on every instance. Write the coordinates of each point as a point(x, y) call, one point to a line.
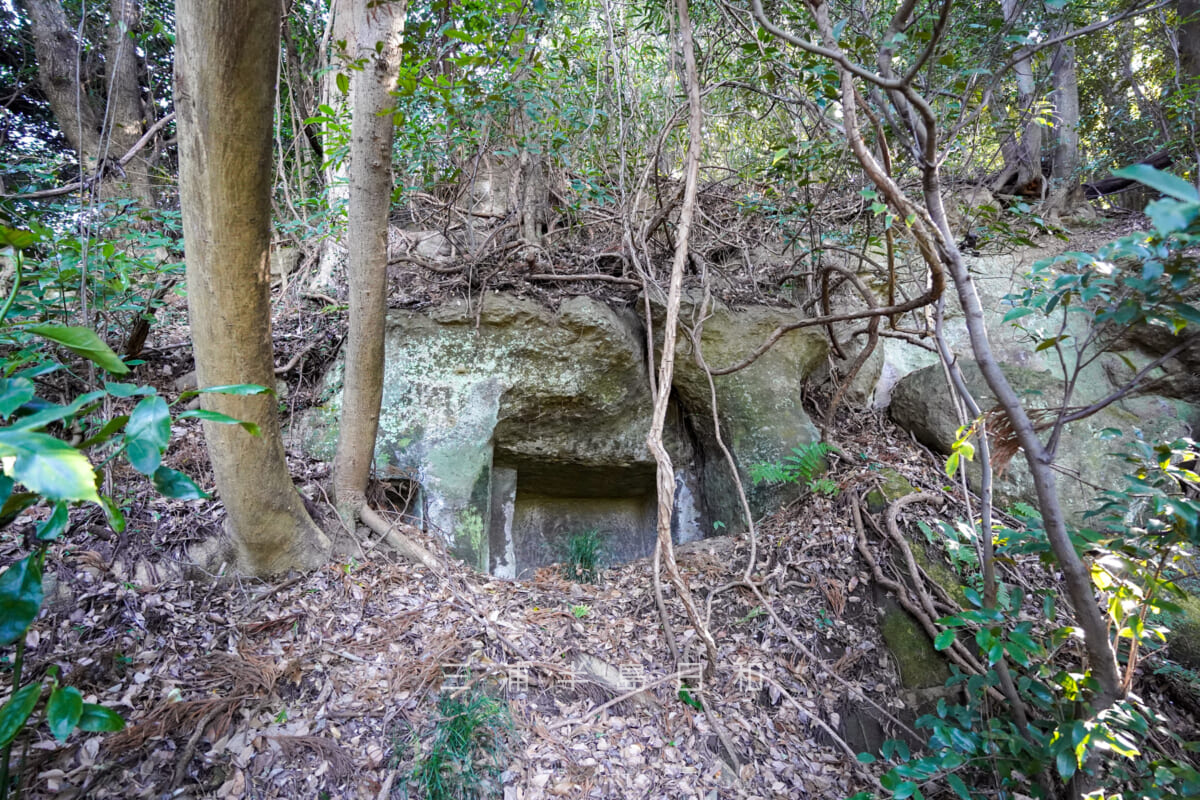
point(806, 466)
point(582, 559)
point(39, 469)
point(466, 749)
point(581, 611)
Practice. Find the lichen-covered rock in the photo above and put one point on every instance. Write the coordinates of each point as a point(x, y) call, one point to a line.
point(560, 398)
point(1085, 460)
point(921, 665)
point(891, 486)
point(762, 415)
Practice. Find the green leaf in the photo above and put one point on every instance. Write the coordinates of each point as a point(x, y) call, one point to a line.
point(904, 790)
point(127, 389)
point(97, 719)
point(109, 430)
point(1188, 312)
point(16, 239)
point(240, 389)
point(172, 483)
point(960, 788)
point(63, 710)
point(952, 465)
point(113, 513)
point(14, 393)
point(343, 83)
point(20, 598)
point(686, 697)
point(147, 434)
point(866, 758)
point(1018, 312)
point(55, 524)
point(15, 504)
point(17, 710)
point(216, 416)
point(50, 467)
point(1163, 182)
point(54, 413)
point(83, 342)
point(1066, 763)
point(944, 639)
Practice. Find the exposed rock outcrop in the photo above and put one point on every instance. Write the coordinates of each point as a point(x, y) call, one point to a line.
point(525, 426)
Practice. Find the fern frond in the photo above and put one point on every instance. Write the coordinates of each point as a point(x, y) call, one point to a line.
point(809, 460)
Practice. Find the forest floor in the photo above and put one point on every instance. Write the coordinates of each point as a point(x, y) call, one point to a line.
point(328, 684)
point(354, 680)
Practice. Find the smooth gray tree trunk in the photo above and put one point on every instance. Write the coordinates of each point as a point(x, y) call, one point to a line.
point(378, 35)
point(227, 52)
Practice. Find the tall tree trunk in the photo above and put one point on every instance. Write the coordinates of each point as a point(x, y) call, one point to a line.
point(340, 28)
point(1188, 12)
point(378, 32)
point(1066, 192)
point(1188, 79)
point(81, 117)
point(226, 57)
point(1022, 151)
point(126, 122)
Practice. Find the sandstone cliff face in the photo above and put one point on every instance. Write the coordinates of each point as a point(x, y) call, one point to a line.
point(525, 426)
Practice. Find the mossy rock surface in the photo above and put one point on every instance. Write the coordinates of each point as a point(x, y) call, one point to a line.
point(921, 666)
point(892, 486)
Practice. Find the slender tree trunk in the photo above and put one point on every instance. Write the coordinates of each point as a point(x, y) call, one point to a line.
point(1064, 173)
point(1023, 150)
point(340, 29)
point(227, 52)
point(1189, 40)
point(126, 122)
point(378, 32)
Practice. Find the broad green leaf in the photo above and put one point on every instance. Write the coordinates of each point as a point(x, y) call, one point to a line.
point(241, 389)
point(216, 416)
point(1170, 216)
point(14, 393)
point(20, 598)
point(1018, 312)
point(147, 434)
point(6, 488)
point(55, 524)
point(172, 483)
point(1164, 182)
point(952, 465)
point(1066, 763)
point(63, 710)
point(16, 239)
point(55, 413)
point(127, 389)
point(113, 513)
point(50, 467)
point(343, 83)
point(944, 639)
point(83, 342)
point(15, 504)
point(110, 429)
point(959, 787)
point(96, 719)
point(17, 710)
point(1188, 312)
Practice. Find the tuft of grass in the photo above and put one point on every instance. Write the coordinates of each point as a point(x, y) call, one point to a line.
point(466, 750)
point(582, 559)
